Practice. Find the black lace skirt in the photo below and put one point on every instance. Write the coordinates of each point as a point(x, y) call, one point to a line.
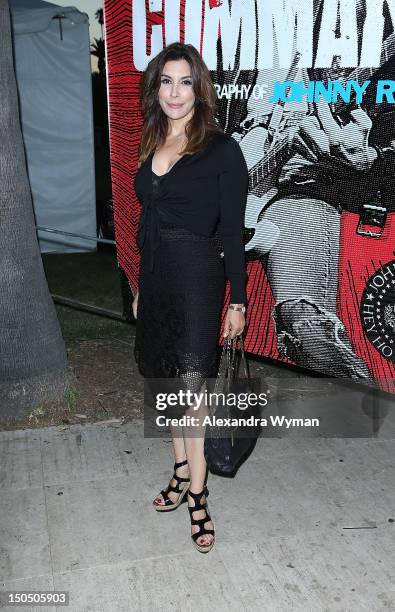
point(179, 309)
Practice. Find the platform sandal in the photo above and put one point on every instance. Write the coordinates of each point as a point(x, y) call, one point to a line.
point(182, 492)
point(202, 530)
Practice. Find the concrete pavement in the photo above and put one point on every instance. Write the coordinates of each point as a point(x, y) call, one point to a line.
point(306, 524)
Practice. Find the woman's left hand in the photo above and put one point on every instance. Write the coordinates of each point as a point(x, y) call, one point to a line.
point(234, 323)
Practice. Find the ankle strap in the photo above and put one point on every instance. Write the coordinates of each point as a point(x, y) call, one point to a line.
point(180, 464)
point(197, 496)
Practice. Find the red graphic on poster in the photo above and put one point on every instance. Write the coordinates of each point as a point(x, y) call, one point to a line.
point(305, 89)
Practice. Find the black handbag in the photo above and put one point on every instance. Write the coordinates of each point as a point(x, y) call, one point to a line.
point(226, 447)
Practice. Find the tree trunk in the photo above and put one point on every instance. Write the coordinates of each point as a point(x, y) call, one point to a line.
point(33, 360)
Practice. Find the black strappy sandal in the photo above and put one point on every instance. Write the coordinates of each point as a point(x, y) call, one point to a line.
point(202, 530)
point(182, 493)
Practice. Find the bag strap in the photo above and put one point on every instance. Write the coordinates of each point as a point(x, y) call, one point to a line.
point(243, 360)
point(227, 364)
point(224, 364)
point(227, 369)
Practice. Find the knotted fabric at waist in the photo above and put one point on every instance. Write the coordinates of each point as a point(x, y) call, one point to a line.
point(153, 229)
point(148, 234)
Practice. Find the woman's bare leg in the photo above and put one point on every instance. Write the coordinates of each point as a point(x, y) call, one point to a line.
point(194, 446)
point(179, 455)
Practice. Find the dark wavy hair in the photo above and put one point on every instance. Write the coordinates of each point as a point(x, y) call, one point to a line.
point(204, 119)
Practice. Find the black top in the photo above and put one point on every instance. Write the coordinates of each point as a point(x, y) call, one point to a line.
point(203, 192)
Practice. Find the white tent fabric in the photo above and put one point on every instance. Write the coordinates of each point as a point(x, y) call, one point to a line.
point(53, 71)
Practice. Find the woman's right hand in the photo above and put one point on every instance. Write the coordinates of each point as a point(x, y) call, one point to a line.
point(134, 304)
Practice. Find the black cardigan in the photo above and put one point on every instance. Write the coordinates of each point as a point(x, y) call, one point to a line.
point(204, 192)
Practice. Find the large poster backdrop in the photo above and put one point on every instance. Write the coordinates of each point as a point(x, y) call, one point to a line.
point(316, 129)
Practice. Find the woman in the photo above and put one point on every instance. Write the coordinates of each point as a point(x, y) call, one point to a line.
point(192, 180)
